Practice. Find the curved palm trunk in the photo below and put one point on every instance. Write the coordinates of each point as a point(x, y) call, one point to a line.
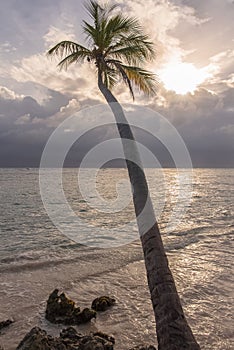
point(173, 331)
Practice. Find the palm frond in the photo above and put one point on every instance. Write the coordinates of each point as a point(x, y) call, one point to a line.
point(74, 57)
point(120, 70)
point(97, 33)
point(93, 9)
point(143, 79)
point(117, 24)
point(132, 48)
point(65, 48)
point(91, 33)
point(98, 12)
point(110, 78)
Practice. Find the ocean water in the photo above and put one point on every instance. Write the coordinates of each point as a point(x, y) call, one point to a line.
point(35, 257)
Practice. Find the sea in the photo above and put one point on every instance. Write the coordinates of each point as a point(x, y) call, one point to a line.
point(105, 257)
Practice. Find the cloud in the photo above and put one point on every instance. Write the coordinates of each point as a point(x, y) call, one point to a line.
point(24, 119)
point(205, 121)
point(20, 109)
point(55, 35)
point(161, 21)
point(8, 94)
point(79, 81)
point(228, 129)
point(26, 124)
point(6, 47)
point(43, 70)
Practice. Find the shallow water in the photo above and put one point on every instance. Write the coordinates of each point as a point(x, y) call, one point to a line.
point(35, 257)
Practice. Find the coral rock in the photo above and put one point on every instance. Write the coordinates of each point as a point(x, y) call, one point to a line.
point(69, 339)
point(92, 342)
point(107, 337)
point(85, 316)
point(37, 339)
point(61, 309)
point(70, 333)
point(143, 347)
point(4, 324)
point(102, 303)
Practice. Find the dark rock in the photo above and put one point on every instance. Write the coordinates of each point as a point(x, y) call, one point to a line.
point(91, 342)
point(144, 347)
point(105, 336)
point(69, 339)
point(95, 345)
point(59, 306)
point(61, 309)
point(85, 316)
point(70, 333)
point(5, 324)
point(37, 339)
point(102, 303)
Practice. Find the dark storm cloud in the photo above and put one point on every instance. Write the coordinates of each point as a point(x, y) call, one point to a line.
point(205, 121)
point(26, 125)
point(13, 108)
point(23, 131)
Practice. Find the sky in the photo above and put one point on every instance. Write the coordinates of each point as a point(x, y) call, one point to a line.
point(194, 64)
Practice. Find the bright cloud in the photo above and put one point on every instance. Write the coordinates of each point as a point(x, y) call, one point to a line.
point(43, 70)
point(8, 94)
point(55, 35)
point(160, 21)
point(183, 77)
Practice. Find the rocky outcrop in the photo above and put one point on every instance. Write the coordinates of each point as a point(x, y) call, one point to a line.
point(70, 339)
point(61, 309)
point(102, 303)
point(102, 335)
point(37, 339)
point(4, 324)
point(143, 347)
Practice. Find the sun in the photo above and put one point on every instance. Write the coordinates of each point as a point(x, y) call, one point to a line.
point(182, 77)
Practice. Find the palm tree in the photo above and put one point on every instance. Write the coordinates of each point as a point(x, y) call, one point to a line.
point(118, 48)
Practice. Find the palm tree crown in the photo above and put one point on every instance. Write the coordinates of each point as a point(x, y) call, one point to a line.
point(116, 45)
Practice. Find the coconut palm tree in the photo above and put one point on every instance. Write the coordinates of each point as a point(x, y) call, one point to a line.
point(118, 48)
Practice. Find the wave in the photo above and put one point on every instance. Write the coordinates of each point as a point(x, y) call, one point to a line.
point(35, 265)
point(110, 258)
point(83, 255)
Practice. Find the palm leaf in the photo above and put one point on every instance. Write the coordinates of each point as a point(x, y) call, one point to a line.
point(110, 78)
point(143, 79)
point(93, 9)
point(92, 35)
point(97, 12)
point(133, 48)
point(117, 64)
point(67, 47)
point(74, 57)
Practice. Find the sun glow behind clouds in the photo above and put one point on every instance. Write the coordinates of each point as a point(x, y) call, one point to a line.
point(182, 77)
